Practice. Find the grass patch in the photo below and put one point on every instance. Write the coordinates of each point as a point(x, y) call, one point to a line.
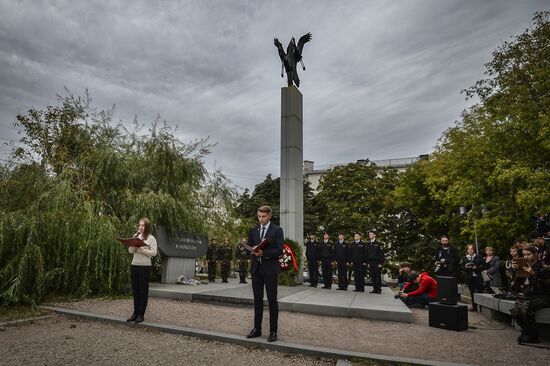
point(19, 312)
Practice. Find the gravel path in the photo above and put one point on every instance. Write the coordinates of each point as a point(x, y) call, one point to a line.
point(487, 345)
point(64, 341)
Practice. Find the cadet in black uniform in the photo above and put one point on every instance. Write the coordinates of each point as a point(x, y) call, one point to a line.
point(243, 257)
point(326, 248)
point(211, 259)
point(375, 260)
point(342, 258)
point(311, 254)
point(359, 258)
point(225, 255)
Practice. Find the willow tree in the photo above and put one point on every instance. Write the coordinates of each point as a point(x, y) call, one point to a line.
point(80, 181)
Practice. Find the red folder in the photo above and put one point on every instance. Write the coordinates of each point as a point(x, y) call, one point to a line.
point(132, 242)
point(258, 247)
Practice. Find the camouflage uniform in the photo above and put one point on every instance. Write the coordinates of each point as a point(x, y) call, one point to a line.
point(243, 256)
point(225, 254)
point(211, 259)
point(537, 296)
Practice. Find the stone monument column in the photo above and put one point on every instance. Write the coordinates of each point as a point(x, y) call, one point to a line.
point(292, 176)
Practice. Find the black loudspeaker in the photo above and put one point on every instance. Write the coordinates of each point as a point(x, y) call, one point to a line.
point(447, 290)
point(450, 317)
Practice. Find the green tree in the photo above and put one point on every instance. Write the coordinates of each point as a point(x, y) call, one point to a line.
point(355, 197)
point(82, 180)
point(496, 155)
point(268, 192)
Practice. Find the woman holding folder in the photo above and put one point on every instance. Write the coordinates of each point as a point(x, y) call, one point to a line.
point(141, 269)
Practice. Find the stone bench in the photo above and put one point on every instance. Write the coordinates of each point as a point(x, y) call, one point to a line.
point(499, 308)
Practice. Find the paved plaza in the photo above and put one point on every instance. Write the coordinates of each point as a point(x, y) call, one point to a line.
point(303, 299)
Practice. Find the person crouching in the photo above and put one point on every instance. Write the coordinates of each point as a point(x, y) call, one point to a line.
point(426, 292)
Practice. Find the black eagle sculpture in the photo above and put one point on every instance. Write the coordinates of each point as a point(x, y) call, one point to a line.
point(291, 58)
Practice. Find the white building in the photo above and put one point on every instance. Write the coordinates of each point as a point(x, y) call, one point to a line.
point(313, 173)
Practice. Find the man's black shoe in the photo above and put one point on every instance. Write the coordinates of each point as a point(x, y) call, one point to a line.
point(528, 339)
point(342, 289)
point(272, 337)
point(132, 318)
point(254, 333)
point(373, 292)
point(139, 319)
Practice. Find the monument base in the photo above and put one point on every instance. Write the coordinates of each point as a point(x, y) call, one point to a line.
point(173, 268)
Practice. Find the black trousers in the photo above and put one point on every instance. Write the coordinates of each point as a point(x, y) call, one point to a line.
point(375, 275)
point(211, 270)
point(140, 287)
point(359, 276)
point(326, 269)
point(422, 299)
point(475, 285)
point(313, 269)
point(342, 275)
point(259, 280)
point(525, 310)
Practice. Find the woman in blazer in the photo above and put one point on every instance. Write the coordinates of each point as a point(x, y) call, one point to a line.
point(492, 269)
point(472, 265)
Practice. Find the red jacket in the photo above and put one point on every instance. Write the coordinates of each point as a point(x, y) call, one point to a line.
point(426, 285)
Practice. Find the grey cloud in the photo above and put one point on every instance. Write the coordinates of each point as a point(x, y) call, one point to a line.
point(382, 79)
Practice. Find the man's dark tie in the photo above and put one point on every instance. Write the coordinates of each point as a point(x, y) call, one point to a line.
point(262, 234)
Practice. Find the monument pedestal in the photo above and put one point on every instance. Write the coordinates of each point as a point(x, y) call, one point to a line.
point(292, 176)
point(173, 268)
point(179, 251)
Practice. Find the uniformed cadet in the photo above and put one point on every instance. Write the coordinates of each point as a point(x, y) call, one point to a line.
point(326, 255)
point(537, 296)
point(226, 254)
point(359, 259)
point(243, 258)
point(312, 248)
point(342, 258)
point(375, 261)
point(211, 256)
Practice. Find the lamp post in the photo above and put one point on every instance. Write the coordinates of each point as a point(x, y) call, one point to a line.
point(464, 211)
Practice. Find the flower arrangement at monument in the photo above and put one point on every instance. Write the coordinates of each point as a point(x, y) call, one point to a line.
point(290, 261)
point(286, 260)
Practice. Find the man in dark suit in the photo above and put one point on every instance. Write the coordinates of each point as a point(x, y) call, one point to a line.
point(265, 271)
point(375, 261)
point(312, 249)
point(359, 258)
point(342, 258)
point(446, 258)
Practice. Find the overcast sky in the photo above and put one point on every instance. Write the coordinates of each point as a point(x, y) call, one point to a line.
point(382, 79)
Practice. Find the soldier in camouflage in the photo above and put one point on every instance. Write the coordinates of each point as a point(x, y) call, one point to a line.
point(537, 296)
point(211, 259)
point(243, 258)
point(225, 255)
